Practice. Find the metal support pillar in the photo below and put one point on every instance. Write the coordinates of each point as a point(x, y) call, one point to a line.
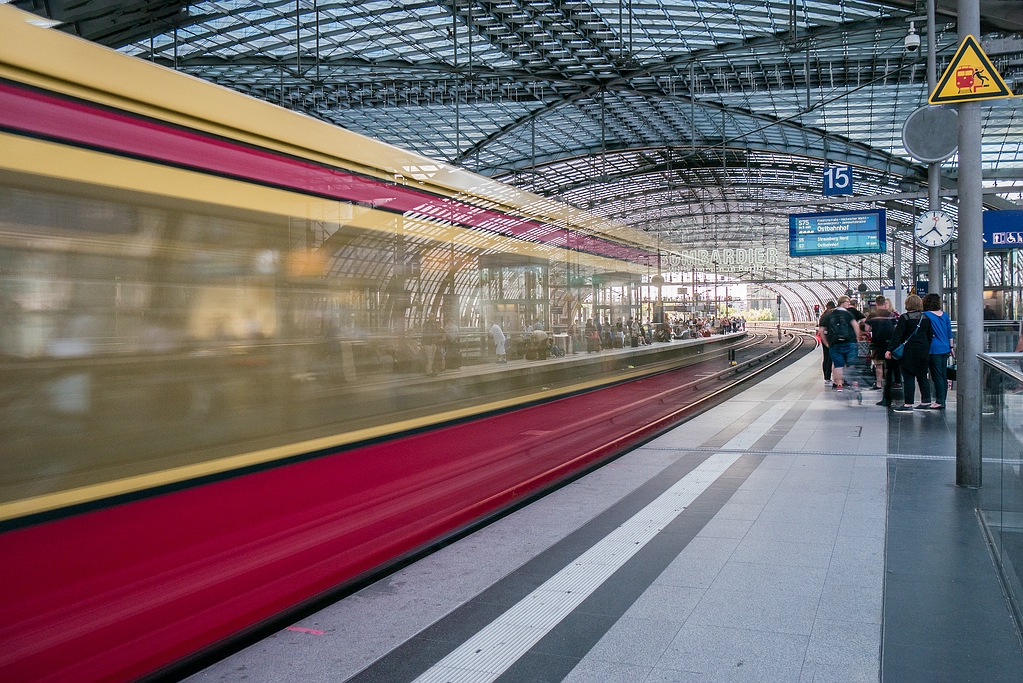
point(779, 317)
point(900, 301)
point(970, 289)
point(934, 259)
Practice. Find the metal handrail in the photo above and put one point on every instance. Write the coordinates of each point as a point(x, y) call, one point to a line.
point(995, 360)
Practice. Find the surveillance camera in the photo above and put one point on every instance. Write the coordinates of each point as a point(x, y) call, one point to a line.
point(912, 39)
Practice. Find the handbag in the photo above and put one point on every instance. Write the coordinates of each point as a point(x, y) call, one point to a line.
point(950, 368)
point(901, 348)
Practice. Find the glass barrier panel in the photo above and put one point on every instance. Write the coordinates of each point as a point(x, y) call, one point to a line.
point(1001, 497)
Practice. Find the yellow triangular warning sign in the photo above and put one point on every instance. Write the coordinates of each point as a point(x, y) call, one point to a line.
point(969, 77)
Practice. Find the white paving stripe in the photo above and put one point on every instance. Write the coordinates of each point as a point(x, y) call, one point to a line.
point(494, 649)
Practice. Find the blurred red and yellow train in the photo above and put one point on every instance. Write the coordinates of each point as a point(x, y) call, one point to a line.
point(210, 411)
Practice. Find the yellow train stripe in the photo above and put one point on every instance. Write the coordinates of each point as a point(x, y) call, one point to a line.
point(177, 475)
point(45, 159)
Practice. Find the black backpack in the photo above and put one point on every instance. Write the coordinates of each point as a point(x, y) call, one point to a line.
point(839, 327)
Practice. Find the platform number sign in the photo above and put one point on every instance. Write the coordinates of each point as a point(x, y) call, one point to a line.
point(838, 180)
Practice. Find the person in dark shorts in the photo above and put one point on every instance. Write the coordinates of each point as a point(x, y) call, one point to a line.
point(881, 322)
point(840, 334)
point(822, 324)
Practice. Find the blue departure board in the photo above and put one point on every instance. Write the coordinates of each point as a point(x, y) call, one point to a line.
point(838, 232)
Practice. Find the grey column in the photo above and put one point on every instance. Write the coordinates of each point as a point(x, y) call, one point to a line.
point(970, 288)
point(934, 261)
point(934, 264)
point(897, 280)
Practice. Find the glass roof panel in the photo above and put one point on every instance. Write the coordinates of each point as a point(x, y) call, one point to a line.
point(719, 113)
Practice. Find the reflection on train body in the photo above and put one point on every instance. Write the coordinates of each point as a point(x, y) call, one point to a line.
point(138, 337)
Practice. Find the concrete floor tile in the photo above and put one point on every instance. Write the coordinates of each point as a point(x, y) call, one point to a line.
point(671, 676)
point(768, 578)
point(699, 563)
point(752, 496)
point(778, 462)
point(773, 551)
point(771, 612)
point(635, 641)
point(800, 530)
point(818, 673)
point(664, 603)
point(729, 654)
point(850, 602)
point(748, 511)
point(600, 671)
point(854, 552)
point(852, 647)
point(721, 527)
point(855, 528)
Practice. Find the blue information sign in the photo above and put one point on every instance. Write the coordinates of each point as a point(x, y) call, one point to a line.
point(838, 232)
point(1003, 230)
point(838, 180)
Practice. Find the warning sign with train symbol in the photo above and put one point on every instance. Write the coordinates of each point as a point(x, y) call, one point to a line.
point(970, 76)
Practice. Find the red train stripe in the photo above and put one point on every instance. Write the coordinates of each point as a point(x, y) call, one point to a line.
point(120, 592)
point(78, 122)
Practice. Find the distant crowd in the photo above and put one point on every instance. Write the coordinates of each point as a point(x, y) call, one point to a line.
point(603, 334)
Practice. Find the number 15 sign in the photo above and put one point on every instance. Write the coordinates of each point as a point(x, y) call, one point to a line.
point(838, 180)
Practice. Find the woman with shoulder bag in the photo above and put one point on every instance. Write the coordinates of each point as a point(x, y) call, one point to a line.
point(941, 348)
point(912, 337)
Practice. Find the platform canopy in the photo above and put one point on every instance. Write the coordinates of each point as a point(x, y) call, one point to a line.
point(705, 121)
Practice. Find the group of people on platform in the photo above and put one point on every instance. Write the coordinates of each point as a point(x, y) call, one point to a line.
point(909, 350)
point(534, 342)
point(601, 334)
point(441, 350)
point(440, 346)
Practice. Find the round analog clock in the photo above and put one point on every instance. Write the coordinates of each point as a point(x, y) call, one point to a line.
point(933, 229)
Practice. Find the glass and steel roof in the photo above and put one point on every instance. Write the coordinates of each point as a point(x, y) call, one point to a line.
point(705, 121)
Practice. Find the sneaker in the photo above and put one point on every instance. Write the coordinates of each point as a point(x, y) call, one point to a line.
point(903, 409)
point(923, 406)
point(838, 387)
point(828, 382)
point(874, 387)
point(882, 403)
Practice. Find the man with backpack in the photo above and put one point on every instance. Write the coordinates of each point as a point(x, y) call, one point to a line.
point(840, 335)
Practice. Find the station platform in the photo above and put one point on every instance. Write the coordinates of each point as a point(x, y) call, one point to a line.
point(792, 533)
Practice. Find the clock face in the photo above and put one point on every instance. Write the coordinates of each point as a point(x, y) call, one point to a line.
point(933, 229)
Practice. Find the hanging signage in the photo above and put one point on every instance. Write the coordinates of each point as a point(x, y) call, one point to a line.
point(838, 180)
point(837, 232)
point(1003, 230)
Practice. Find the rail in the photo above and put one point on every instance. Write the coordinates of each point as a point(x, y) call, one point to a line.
point(782, 352)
